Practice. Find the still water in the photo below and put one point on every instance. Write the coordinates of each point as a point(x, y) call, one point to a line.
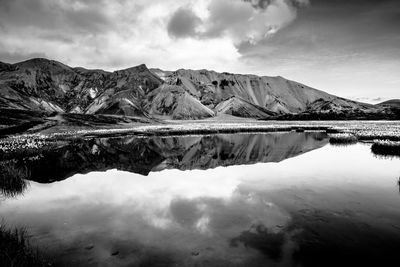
point(282, 199)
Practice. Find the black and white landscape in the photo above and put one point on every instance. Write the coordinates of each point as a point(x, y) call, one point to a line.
point(199, 133)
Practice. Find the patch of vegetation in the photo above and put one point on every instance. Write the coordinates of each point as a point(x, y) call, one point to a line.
point(342, 138)
point(223, 83)
point(15, 249)
point(333, 131)
point(12, 179)
point(25, 145)
point(303, 128)
point(371, 135)
point(386, 148)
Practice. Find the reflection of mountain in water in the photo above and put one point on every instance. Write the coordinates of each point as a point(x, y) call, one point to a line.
point(143, 155)
point(234, 149)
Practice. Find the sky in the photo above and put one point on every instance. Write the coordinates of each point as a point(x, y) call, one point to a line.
point(350, 48)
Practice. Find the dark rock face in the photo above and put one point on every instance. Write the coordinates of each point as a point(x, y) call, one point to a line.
point(47, 85)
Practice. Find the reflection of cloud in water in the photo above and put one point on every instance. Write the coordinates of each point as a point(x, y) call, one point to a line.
point(218, 217)
point(167, 210)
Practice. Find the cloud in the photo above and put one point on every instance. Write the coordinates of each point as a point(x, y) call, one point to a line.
point(19, 56)
point(70, 16)
point(183, 23)
point(241, 20)
point(118, 34)
point(263, 4)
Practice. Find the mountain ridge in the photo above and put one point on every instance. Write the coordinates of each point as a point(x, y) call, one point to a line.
point(390, 103)
point(48, 85)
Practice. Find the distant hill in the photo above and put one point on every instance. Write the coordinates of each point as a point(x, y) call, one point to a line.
point(47, 85)
point(395, 103)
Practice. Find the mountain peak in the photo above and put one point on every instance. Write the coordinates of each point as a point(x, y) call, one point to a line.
point(138, 68)
point(41, 63)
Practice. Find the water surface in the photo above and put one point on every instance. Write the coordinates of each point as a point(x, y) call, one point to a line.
point(284, 199)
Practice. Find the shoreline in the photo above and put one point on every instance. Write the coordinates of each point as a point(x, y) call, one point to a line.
point(364, 131)
point(169, 128)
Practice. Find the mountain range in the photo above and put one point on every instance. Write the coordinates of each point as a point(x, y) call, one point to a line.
point(50, 86)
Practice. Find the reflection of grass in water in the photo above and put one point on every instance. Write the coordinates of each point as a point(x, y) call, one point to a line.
point(15, 249)
point(12, 179)
point(384, 157)
point(342, 139)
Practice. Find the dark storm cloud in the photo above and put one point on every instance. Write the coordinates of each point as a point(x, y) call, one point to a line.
point(183, 23)
point(73, 16)
point(337, 45)
point(334, 27)
point(262, 4)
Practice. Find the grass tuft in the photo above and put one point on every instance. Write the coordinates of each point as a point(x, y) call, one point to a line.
point(342, 139)
point(15, 249)
point(386, 148)
point(12, 179)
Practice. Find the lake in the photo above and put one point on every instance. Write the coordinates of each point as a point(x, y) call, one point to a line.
point(276, 199)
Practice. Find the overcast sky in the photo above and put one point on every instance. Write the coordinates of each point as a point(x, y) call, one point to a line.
point(346, 47)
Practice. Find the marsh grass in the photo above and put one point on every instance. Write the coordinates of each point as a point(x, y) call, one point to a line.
point(386, 148)
point(15, 249)
point(378, 136)
point(342, 139)
point(333, 131)
point(12, 179)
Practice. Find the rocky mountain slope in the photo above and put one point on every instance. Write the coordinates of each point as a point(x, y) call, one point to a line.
point(176, 102)
point(390, 103)
point(41, 84)
point(266, 95)
point(47, 85)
